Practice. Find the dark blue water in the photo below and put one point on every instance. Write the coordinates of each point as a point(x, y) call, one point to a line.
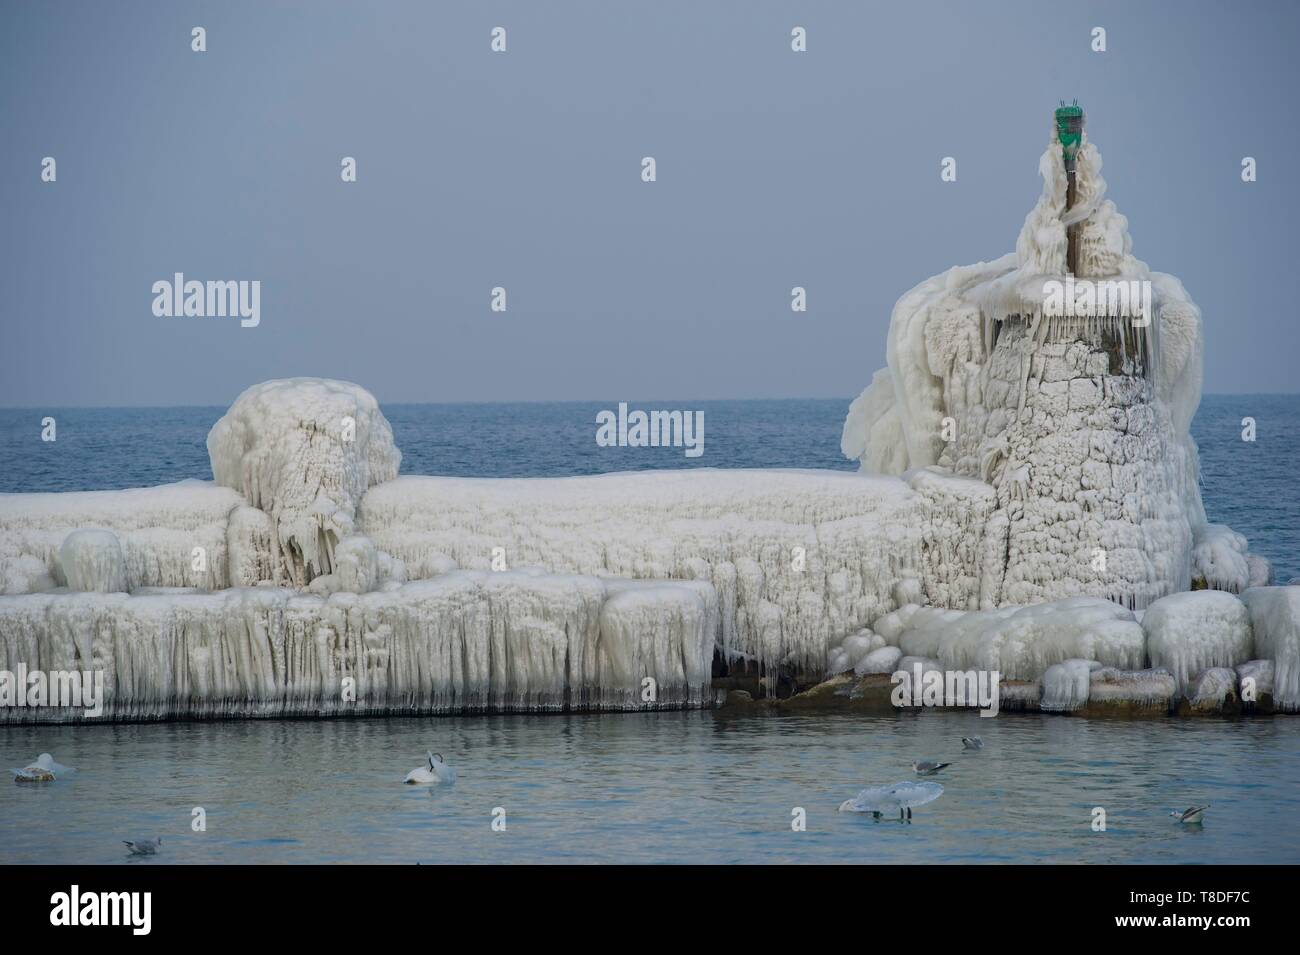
point(1252, 486)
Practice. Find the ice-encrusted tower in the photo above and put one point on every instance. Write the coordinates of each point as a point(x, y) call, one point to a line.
point(1064, 376)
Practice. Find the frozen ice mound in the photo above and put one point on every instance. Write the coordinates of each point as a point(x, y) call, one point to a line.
point(1021, 643)
point(304, 450)
point(92, 560)
point(158, 529)
point(1221, 561)
point(466, 641)
point(1194, 631)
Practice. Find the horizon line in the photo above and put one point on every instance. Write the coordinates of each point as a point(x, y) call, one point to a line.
point(551, 401)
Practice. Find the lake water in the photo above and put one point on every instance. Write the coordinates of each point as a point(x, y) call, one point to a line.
point(651, 787)
point(658, 787)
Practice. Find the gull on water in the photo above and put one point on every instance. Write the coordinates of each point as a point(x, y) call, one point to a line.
point(143, 847)
point(42, 770)
point(436, 772)
point(972, 742)
point(926, 767)
point(878, 800)
point(1193, 816)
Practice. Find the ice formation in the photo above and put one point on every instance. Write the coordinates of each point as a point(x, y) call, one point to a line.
point(1076, 424)
point(1212, 688)
point(880, 660)
point(1275, 620)
point(1191, 632)
point(1037, 483)
point(158, 529)
point(467, 640)
point(304, 450)
point(1066, 685)
point(1221, 560)
point(1154, 687)
point(1021, 643)
point(1258, 676)
point(798, 558)
point(92, 560)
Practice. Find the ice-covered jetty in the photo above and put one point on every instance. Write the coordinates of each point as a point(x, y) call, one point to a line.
point(1028, 481)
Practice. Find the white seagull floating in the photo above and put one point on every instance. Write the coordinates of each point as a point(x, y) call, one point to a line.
point(901, 796)
point(436, 772)
point(43, 770)
point(143, 847)
point(972, 742)
point(926, 767)
point(1193, 816)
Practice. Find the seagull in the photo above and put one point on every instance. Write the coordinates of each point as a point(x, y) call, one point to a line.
point(972, 742)
point(925, 767)
point(43, 770)
point(1192, 817)
point(436, 772)
point(901, 796)
point(143, 847)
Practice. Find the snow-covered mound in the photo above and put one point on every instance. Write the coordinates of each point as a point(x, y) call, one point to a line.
point(158, 529)
point(92, 560)
point(1191, 632)
point(1221, 560)
point(467, 640)
point(798, 558)
point(304, 450)
point(1021, 643)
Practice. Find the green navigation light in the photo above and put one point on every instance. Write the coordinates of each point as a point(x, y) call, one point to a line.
point(1069, 129)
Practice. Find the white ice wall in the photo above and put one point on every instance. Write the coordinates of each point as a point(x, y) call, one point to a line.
point(798, 558)
point(467, 640)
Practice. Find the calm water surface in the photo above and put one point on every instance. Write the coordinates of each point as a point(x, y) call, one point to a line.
point(666, 787)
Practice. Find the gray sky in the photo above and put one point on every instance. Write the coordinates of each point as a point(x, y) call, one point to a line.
point(522, 170)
